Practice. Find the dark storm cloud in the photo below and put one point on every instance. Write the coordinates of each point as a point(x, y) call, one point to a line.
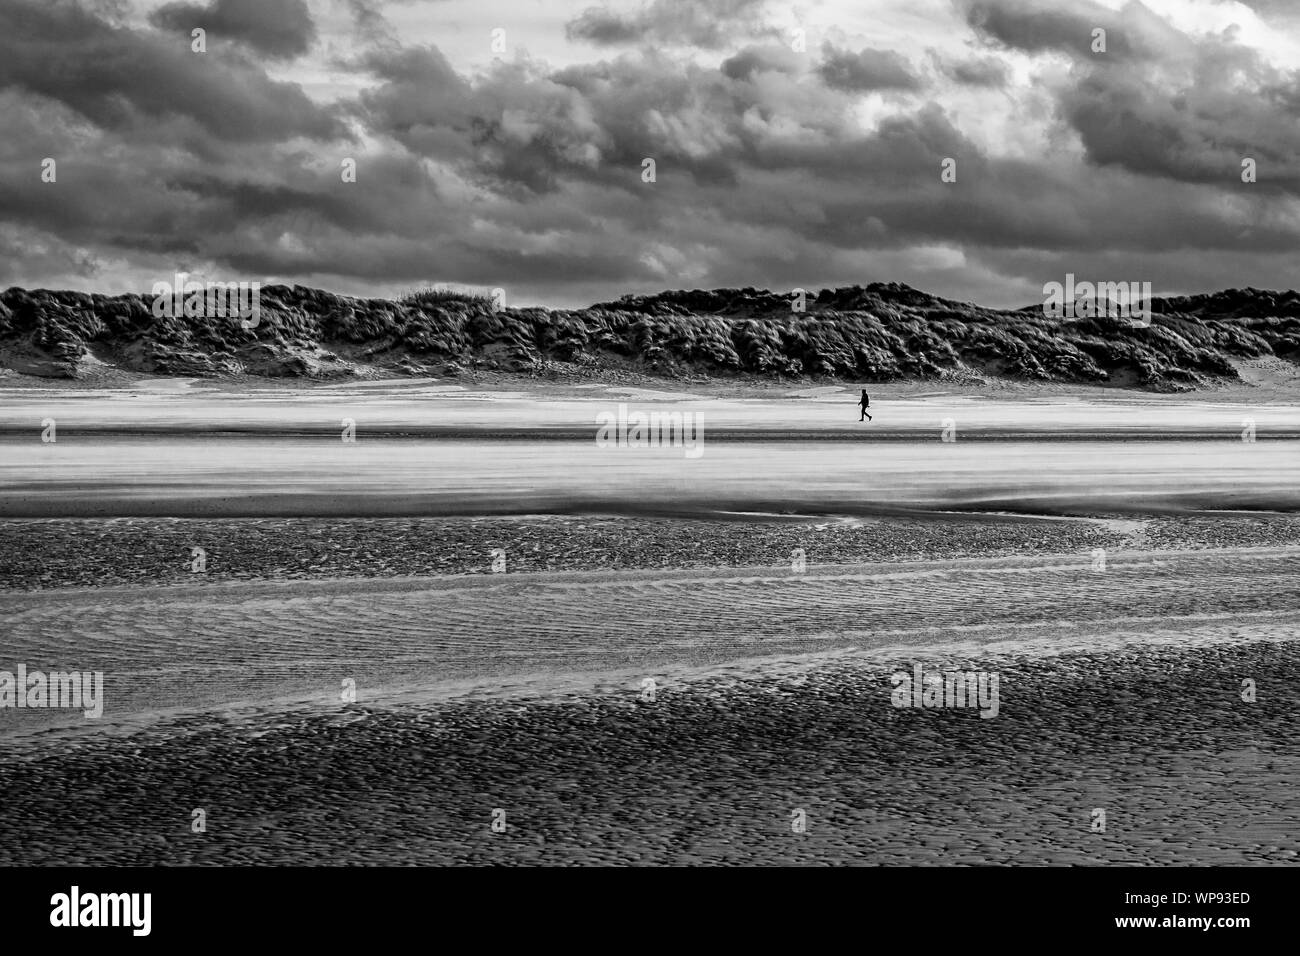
point(278, 28)
point(710, 24)
point(724, 142)
point(529, 177)
point(520, 131)
point(134, 119)
point(773, 58)
point(605, 28)
point(1201, 134)
point(123, 80)
point(1036, 27)
point(1185, 111)
point(866, 70)
point(986, 71)
point(512, 132)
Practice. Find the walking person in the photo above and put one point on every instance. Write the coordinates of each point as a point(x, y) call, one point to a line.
point(864, 403)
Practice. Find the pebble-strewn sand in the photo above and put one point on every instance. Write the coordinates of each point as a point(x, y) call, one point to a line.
point(711, 771)
point(82, 552)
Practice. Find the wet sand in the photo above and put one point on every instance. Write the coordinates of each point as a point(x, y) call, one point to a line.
point(714, 770)
point(165, 648)
point(1120, 690)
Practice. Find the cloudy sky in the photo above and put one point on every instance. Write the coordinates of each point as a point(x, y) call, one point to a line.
point(795, 145)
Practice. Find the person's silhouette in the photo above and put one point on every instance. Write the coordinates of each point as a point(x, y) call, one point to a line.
point(864, 403)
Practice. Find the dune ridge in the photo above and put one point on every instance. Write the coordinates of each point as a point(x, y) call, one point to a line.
point(881, 332)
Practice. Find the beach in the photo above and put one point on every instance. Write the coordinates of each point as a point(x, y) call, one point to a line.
point(350, 653)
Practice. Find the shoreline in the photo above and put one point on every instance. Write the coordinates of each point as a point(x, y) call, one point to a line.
point(960, 648)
